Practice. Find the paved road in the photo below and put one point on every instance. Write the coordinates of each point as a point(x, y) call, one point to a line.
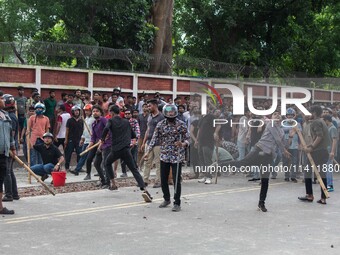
point(215, 219)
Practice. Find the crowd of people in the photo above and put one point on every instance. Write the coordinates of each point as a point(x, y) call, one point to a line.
point(162, 133)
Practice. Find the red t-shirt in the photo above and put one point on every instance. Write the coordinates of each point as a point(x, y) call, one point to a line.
point(68, 107)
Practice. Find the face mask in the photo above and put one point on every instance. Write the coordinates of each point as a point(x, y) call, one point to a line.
point(171, 120)
point(39, 112)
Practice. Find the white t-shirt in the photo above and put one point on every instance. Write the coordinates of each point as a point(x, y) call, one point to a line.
point(63, 119)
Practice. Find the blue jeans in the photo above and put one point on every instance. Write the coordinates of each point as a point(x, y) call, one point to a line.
point(330, 172)
point(35, 155)
point(82, 159)
point(41, 169)
point(293, 166)
point(71, 146)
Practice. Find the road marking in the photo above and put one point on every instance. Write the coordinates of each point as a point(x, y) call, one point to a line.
point(48, 216)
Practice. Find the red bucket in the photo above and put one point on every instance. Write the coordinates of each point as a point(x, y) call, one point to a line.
point(58, 178)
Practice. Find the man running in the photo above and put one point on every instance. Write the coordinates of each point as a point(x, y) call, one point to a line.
point(121, 133)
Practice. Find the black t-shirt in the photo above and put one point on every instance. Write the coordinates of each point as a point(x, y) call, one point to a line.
point(152, 123)
point(255, 136)
point(195, 125)
point(48, 155)
point(206, 131)
point(75, 129)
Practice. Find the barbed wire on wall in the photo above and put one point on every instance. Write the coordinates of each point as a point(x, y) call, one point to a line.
point(41, 53)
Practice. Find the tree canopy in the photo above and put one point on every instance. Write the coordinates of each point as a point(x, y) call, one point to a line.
point(283, 37)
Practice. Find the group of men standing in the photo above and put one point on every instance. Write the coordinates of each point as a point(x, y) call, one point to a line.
point(120, 132)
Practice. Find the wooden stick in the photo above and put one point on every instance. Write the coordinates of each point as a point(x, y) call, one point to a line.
point(216, 163)
point(17, 115)
point(311, 160)
point(89, 148)
point(33, 174)
point(87, 127)
point(28, 145)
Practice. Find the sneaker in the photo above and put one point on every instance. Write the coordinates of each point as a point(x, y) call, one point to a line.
point(294, 180)
point(16, 197)
point(262, 207)
point(7, 199)
point(104, 186)
point(124, 175)
point(307, 198)
point(253, 179)
point(6, 211)
point(74, 172)
point(208, 181)
point(147, 197)
point(87, 177)
point(156, 185)
point(44, 177)
point(176, 208)
point(164, 204)
point(330, 189)
point(202, 180)
point(287, 179)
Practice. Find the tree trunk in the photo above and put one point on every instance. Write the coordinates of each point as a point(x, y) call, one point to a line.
point(17, 54)
point(161, 17)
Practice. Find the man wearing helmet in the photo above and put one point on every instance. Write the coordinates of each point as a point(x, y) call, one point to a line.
point(38, 125)
point(7, 144)
point(11, 190)
point(116, 92)
point(51, 157)
point(74, 130)
point(174, 138)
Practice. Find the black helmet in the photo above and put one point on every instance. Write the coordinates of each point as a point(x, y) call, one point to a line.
point(48, 134)
point(9, 100)
point(170, 111)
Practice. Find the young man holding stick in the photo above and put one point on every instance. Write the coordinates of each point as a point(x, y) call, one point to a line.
point(172, 135)
point(7, 145)
point(121, 135)
point(319, 153)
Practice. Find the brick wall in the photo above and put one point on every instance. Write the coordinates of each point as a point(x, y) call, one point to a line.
point(52, 77)
point(67, 80)
point(111, 81)
point(17, 75)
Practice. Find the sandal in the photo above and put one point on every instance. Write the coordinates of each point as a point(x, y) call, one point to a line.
point(6, 211)
point(321, 202)
point(113, 187)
